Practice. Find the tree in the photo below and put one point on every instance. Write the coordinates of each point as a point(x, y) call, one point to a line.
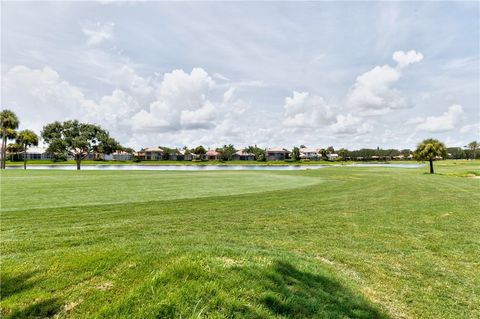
point(257, 151)
point(330, 150)
point(14, 149)
point(226, 152)
point(167, 151)
point(455, 152)
point(429, 150)
point(406, 152)
point(343, 153)
point(128, 150)
point(78, 139)
point(473, 146)
point(295, 154)
point(323, 153)
point(8, 124)
point(26, 138)
point(200, 151)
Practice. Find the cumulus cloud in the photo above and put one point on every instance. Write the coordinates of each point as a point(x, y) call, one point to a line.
point(98, 32)
point(173, 108)
point(40, 95)
point(181, 103)
point(448, 121)
point(349, 124)
point(373, 91)
point(113, 111)
point(304, 110)
point(403, 59)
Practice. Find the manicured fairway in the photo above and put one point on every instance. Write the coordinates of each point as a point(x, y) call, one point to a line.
point(48, 189)
point(339, 242)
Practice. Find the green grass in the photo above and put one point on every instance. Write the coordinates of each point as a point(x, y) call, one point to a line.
point(340, 242)
point(205, 162)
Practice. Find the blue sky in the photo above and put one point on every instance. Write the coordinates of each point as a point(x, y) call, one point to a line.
point(347, 74)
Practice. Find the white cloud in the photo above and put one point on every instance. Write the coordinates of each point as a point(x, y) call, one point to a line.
point(181, 103)
point(220, 76)
point(113, 112)
point(415, 120)
point(228, 95)
point(39, 96)
point(373, 91)
point(127, 79)
point(403, 59)
point(470, 128)
point(98, 32)
point(448, 121)
point(304, 110)
point(349, 124)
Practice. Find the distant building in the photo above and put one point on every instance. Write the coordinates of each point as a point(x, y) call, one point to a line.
point(332, 157)
point(37, 153)
point(140, 155)
point(153, 154)
point(243, 156)
point(118, 156)
point(184, 155)
point(212, 155)
point(309, 153)
point(275, 154)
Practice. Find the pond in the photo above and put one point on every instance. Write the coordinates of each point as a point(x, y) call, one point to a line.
point(127, 167)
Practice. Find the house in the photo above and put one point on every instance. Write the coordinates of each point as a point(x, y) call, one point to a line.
point(121, 156)
point(34, 153)
point(184, 155)
point(212, 155)
point(243, 156)
point(309, 153)
point(275, 154)
point(174, 155)
point(140, 155)
point(153, 154)
point(332, 156)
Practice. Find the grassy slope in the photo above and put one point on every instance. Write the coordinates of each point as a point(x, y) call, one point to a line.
point(362, 242)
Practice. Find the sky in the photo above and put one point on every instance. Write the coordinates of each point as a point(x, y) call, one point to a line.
point(347, 74)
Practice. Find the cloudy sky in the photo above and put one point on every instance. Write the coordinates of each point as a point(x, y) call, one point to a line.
point(280, 74)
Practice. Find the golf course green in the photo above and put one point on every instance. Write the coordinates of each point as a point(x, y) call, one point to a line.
point(337, 242)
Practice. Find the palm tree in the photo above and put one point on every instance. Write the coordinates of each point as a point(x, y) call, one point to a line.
point(428, 150)
point(8, 124)
point(473, 146)
point(26, 138)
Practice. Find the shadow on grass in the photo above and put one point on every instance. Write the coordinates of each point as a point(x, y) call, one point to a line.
point(43, 309)
point(296, 294)
point(10, 285)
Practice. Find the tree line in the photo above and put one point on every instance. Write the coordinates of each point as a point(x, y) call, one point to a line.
point(66, 138)
point(78, 140)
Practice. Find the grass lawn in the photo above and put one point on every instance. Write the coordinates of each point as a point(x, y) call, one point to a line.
point(205, 162)
point(338, 242)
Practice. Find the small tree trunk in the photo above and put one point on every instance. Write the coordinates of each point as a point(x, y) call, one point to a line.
point(25, 158)
point(431, 166)
point(78, 160)
point(3, 152)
